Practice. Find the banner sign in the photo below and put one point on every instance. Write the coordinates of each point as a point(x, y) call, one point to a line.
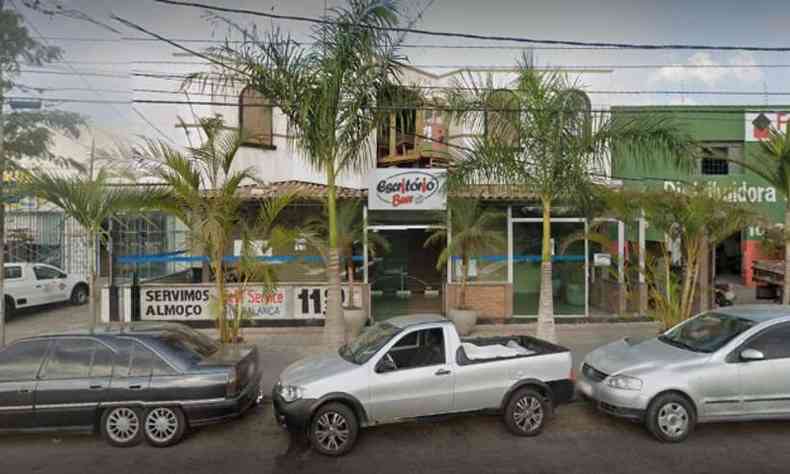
point(759, 123)
point(193, 303)
point(407, 189)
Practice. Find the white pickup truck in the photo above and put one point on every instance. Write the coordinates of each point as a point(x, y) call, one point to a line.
point(34, 284)
point(417, 367)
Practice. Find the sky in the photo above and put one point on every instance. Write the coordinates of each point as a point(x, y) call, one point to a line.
point(107, 60)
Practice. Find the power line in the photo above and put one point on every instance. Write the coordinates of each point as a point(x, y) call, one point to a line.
point(624, 110)
point(447, 34)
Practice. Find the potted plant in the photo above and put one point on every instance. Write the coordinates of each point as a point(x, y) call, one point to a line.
point(471, 234)
point(350, 233)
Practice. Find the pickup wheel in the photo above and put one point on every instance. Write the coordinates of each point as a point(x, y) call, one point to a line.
point(526, 412)
point(670, 417)
point(79, 295)
point(333, 430)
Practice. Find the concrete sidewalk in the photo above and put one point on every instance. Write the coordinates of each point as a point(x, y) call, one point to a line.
point(280, 347)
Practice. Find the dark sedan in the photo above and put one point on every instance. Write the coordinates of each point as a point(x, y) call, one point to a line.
point(129, 382)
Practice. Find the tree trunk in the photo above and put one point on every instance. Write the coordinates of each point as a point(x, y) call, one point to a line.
point(334, 325)
point(92, 279)
point(464, 279)
point(219, 284)
point(350, 271)
point(704, 276)
point(546, 328)
point(786, 285)
point(2, 210)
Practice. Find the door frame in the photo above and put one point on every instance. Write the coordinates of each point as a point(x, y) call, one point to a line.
point(538, 220)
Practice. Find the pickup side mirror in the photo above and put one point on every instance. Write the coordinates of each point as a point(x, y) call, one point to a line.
point(386, 364)
point(748, 355)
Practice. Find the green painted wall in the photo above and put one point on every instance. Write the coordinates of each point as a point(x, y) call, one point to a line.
point(704, 124)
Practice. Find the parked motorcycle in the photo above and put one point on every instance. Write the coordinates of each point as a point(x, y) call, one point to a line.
point(724, 294)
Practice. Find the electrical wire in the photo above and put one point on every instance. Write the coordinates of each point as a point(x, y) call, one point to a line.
point(448, 34)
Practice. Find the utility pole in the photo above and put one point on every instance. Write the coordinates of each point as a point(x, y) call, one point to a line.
point(2, 201)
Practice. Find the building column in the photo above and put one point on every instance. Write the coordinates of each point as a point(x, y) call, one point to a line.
point(622, 306)
point(643, 298)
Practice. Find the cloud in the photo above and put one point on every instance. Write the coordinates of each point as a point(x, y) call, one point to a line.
point(708, 73)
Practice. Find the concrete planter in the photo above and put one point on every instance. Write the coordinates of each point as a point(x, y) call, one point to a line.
point(465, 320)
point(355, 319)
point(574, 294)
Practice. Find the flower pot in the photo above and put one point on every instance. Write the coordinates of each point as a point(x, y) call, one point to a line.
point(355, 319)
point(464, 320)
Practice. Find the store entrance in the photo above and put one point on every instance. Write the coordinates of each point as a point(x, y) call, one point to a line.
point(405, 280)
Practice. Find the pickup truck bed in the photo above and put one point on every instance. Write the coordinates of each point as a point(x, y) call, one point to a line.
point(534, 346)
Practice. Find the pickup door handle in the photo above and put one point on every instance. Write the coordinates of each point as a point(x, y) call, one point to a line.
point(96, 387)
point(135, 387)
point(24, 390)
point(38, 286)
point(443, 372)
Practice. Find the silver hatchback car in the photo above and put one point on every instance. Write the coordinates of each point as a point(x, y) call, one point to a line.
point(729, 364)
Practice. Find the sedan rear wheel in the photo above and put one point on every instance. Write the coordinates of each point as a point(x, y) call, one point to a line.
point(164, 426)
point(333, 430)
point(671, 418)
point(122, 426)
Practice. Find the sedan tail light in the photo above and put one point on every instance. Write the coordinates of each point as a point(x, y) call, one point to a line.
point(233, 387)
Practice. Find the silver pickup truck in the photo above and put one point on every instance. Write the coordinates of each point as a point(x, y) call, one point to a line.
point(417, 367)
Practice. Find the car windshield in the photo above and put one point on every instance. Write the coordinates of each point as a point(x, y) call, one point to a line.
point(707, 332)
point(361, 349)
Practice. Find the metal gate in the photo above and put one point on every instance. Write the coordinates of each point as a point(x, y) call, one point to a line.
point(46, 237)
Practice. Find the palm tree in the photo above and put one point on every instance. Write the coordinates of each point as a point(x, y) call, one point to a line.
point(471, 234)
point(541, 135)
point(91, 201)
point(204, 188)
point(259, 238)
point(772, 164)
point(698, 218)
point(328, 93)
point(350, 232)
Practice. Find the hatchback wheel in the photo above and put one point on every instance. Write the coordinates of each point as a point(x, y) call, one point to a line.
point(526, 412)
point(333, 430)
point(164, 426)
point(122, 426)
point(671, 418)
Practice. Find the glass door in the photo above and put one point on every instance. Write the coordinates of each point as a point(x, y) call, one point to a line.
point(569, 266)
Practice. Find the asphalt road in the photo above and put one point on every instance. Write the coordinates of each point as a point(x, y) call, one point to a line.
point(578, 440)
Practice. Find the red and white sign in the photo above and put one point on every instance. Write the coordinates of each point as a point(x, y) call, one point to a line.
point(758, 124)
point(407, 189)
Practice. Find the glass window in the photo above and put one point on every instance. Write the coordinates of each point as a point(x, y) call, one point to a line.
point(408, 341)
point(22, 360)
point(13, 272)
point(774, 343)
point(430, 352)
point(141, 361)
point(102, 361)
point(707, 332)
point(160, 367)
point(69, 359)
point(123, 357)
point(255, 118)
point(46, 273)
